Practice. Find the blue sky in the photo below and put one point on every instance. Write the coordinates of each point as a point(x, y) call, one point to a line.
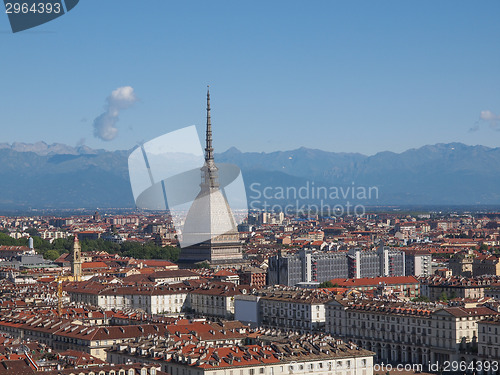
point(346, 76)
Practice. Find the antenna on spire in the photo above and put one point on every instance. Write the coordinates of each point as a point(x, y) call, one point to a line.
point(208, 149)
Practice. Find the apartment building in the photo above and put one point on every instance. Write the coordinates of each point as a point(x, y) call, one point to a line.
point(211, 299)
point(436, 287)
point(489, 338)
point(318, 266)
point(486, 265)
point(407, 332)
point(61, 334)
point(288, 308)
point(306, 266)
point(151, 299)
point(293, 354)
point(215, 299)
point(418, 262)
point(401, 286)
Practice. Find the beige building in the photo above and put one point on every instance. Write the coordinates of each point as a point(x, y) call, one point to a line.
point(461, 263)
point(435, 287)
point(150, 299)
point(173, 276)
point(468, 264)
point(296, 309)
point(211, 299)
point(61, 334)
point(406, 332)
point(486, 265)
point(215, 299)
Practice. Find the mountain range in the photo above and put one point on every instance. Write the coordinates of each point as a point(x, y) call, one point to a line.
point(60, 176)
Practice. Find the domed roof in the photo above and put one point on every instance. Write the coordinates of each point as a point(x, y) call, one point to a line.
point(209, 216)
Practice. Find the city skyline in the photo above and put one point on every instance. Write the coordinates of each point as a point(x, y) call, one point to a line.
point(359, 77)
point(331, 207)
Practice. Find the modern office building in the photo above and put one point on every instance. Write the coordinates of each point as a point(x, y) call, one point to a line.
point(317, 266)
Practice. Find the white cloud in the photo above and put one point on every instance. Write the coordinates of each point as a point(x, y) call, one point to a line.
point(105, 124)
point(489, 116)
point(122, 97)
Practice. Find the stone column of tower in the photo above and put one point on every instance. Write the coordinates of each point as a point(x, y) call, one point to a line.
point(76, 261)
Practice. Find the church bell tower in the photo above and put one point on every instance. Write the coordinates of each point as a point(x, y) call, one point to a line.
point(76, 260)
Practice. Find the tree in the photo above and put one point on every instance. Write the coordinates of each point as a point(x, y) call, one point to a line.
point(421, 299)
point(483, 247)
point(203, 264)
point(7, 240)
point(32, 232)
point(63, 245)
point(326, 284)
point(51, 254)
point(443, 297)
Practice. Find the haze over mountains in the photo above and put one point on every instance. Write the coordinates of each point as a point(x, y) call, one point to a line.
point(60, 176)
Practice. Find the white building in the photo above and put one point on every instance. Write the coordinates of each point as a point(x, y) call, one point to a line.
point(489, 338)
point(293, 308)
point(153, 300)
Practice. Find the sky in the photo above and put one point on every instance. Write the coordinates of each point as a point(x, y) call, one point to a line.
point(343, 76)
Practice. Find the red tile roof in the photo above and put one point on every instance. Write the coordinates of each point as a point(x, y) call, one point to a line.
point(374, 281)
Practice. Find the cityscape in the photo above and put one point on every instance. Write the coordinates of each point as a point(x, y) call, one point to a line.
point(275, 294)
point(250, 188)
point(102, 292)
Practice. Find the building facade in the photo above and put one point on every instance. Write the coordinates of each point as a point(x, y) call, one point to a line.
point(319, 354)
point(407, 333)
point(318, 266)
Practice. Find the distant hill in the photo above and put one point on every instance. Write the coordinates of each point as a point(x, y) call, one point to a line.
point(60, 176)
point(62, 180)
point(447, 174)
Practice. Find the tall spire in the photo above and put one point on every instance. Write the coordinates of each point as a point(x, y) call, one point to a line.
point(209, 151)
point(210, 178)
